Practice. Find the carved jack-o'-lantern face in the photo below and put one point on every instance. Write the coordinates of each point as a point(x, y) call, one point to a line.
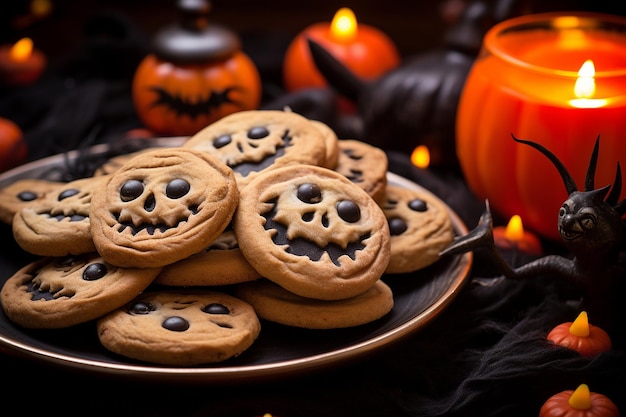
point(63, 291)
point(299, 222)
point(162, 206)
point(59, 224)
point(251, 142)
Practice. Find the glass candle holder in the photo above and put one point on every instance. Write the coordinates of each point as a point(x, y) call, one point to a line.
point(555, 79)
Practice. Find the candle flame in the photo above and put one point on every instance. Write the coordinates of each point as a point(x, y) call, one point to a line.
point(514, 229)
point(344, 25)
point(580, 326)
point(420, 157)
point(580, 398)
point(21, 50)
point(585, 87)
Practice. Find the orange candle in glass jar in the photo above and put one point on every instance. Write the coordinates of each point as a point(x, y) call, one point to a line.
point(21, 63)
point(364, 49)
point(559, 80)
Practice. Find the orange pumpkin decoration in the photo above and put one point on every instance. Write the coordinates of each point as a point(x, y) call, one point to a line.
point(579, 335)
point(196, 75)
point(13, 148)
point(579, 403)
point(524, 83)
point(363, 49)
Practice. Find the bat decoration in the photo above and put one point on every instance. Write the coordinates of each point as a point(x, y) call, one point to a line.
point(592, 229)
point(182, 106)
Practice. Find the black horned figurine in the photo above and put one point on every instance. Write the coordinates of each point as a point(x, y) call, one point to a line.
point(592, 229)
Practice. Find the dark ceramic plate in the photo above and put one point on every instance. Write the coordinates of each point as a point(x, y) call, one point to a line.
point(278, 351)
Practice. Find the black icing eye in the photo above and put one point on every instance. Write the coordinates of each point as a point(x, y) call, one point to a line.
point(67, 193)
point(141, 307)
point(177, 188)
point(397, 226)
point(418, 205)
point(349, 211)
point(258, 132)
point(175, 324)
point(94, 271)
point(309, 193)
point(131, 190)
point(216, 308)
point(221, 141)
point(27, 196)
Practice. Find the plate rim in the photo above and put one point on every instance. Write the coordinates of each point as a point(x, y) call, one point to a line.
point(342, 355)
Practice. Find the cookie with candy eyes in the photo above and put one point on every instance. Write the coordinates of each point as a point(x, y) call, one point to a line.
point(163, 206)
point(253, 141)
point(57, 292)
point(274, 303)
point(183, 328)
point(22, 193)
point(332, 144)
point(364, 165)
point(59, 224)
point(222, 263)
point(312, 231)
point(420, 228)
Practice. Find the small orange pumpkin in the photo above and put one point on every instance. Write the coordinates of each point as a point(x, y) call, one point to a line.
point(579, 403)
point(13, 148)
point(579, 335)
point(195, 75)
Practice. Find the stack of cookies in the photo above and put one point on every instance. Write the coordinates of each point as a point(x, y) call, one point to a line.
point(178, 254)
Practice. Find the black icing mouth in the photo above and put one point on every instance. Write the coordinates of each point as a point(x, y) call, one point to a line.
point(62, 217)
point(305, 247)
point(149, 228)
point(245, 168)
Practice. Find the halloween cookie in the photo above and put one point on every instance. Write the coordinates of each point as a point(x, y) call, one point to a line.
point(59, 224)
point(365, 165)
point(22, 193)
point(332, 144)
point(274, 303)
point(312, 231)
point(253, 141)
point(222, 263)
point(57, 292)
point(184, 328)
point(420, 228)
point(163, 206)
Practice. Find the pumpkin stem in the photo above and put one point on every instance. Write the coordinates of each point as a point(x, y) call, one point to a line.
point(581, 398)
point(580, 326)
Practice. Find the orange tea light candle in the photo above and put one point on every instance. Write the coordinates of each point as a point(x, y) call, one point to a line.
point(581, 336)
point(559, 80)
point(364, 49)
point(21, 63)
point(515, 237)
point(580, 402)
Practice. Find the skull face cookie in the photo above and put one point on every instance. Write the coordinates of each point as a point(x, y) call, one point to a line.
point(22, 193)
point(56, 292)
point(162, 206)
point(420, 228)
point(59, 224)
point(185, 327)
point(313, 232)
point(253, 141)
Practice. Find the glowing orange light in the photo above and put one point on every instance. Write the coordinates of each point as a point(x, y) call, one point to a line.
point(514, 229)
point(585, 87)
point(344, 25)
point(21, 50)
point(421, 156)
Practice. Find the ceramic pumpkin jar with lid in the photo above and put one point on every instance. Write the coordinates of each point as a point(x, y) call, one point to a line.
point(195, 74)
